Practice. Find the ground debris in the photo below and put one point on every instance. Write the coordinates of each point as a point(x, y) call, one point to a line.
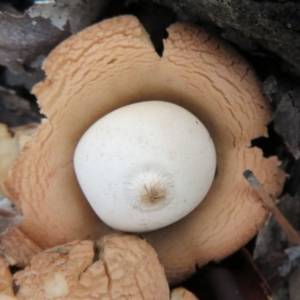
point(28, 37)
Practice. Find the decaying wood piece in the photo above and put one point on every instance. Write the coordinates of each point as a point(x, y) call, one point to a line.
point(252, 25)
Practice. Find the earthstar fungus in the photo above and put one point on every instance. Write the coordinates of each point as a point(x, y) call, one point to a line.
point(113, 64)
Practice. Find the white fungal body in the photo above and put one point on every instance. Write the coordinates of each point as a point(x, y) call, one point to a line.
point(145, 166)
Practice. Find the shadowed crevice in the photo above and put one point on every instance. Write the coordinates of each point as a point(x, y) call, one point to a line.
point(155, 19)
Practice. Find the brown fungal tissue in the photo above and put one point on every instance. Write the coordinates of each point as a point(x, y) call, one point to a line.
point(182, 294)
point(112, 64)
point(11, 147)
point(6, 282)
point(116, 267)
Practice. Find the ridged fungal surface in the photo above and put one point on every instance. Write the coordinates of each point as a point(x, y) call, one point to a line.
point(115, 267)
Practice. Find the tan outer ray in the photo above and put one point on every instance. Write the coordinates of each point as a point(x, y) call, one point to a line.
point(181, 293)
point(117, 266)
point(11, 147)
point(112, 64)
point(6, 283)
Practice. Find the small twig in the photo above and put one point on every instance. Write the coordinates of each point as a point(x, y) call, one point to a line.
point(44, 1)
point(290, 232)
point(7, 90)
